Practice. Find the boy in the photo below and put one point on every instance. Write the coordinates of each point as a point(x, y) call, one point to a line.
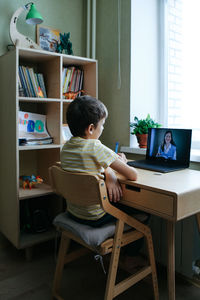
point(85, 153)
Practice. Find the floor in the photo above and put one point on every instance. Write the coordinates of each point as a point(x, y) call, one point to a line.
point(82, 279)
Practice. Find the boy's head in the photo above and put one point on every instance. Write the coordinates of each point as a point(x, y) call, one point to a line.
point(84, 112)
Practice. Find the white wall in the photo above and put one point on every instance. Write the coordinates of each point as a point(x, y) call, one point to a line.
point(144, 59)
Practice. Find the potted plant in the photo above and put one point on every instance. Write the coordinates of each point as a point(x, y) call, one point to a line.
point(140, 129)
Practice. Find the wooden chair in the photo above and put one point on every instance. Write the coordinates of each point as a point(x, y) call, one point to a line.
point(83, 189)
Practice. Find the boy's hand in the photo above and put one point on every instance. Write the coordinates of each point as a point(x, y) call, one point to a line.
point(113, 187)
point(122, 156)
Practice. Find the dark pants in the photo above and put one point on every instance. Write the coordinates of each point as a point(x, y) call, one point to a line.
point(133, 248)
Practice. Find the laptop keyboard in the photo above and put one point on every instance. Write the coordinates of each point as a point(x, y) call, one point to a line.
point(153, 166)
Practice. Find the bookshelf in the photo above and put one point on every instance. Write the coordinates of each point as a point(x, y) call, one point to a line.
point(18, 160)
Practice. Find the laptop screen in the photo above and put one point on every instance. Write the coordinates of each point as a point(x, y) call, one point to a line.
point(170, 145)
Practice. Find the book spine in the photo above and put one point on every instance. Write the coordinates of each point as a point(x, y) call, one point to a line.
point(27, 81)
point(64, 76)
point(37, 83)
point(69, 74)
point(42, 85)
point(77, 80)
point(22, 81)
point(30, 83)
point(31, 72)
point(65, 81)
point(81, 81)
point(74, 80)
point(71, 80)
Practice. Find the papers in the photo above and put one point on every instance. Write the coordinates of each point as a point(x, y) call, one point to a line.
point(66, 133)
point(32, 129)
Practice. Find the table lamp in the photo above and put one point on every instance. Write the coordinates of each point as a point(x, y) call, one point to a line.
point(33, 17)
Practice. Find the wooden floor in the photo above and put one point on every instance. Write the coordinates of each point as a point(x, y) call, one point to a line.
point(83, 279)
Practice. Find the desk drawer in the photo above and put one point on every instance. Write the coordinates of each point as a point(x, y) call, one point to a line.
point(153, 202)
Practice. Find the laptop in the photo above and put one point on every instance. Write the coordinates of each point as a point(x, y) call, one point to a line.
point(168, 150)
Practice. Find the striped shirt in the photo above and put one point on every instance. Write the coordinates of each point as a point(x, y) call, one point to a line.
point(86, 156)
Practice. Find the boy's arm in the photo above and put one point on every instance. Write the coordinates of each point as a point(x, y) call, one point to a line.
point(113, 186)
point(122, 168)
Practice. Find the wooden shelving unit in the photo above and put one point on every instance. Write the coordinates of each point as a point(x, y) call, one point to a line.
point(18, 160)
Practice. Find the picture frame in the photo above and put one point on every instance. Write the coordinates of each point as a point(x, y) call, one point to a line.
point(47, 38)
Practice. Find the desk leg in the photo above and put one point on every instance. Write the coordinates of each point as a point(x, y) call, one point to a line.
point(171, 260)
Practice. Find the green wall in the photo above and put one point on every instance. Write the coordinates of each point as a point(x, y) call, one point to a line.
point(66, 15)
point(116, 100)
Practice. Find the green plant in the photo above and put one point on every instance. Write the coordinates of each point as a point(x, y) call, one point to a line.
point(141, 126)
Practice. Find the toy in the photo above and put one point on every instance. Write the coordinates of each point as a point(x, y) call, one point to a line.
point(64, 44)
point(30, 181)
point(73, 95)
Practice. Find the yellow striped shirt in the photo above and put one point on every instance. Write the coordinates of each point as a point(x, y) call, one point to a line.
point(86, 156)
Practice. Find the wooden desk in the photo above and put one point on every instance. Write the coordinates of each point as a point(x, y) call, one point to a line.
point(171, 196)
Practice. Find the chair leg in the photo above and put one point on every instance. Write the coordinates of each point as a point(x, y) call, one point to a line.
point(64, 246)
point(153, 265)
point(110, 285)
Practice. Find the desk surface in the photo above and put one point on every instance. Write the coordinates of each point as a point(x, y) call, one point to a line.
point(172, 196)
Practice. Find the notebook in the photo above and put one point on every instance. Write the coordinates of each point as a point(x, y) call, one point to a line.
point(168, 150)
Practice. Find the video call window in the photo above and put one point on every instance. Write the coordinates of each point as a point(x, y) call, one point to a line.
point(169, 144)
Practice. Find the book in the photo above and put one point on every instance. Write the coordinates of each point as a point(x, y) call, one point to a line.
point(32, 129)
point(38, 85)
point(65, 80)
point(74, 80)
point(30, 83)
point(38, 142)
point(64, 72)
point(81, 81)
point(32, 75)
point(69, 72)
point(41, 84)
point(23, 81)
point(20, 87)
point(26, 80)
point(71, 80)
point(77, 80)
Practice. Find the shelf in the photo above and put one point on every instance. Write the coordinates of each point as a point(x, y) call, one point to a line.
point(34, 159)
point(30, 239)
point(38, 147)
point(40, 100)
point(41, 190)
point(67, 100)
point(77, 60)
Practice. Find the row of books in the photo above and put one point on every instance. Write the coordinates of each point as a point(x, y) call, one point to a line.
point(31, 84)
point(72, 79)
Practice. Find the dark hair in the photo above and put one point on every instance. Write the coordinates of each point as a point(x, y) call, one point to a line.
point(172, 141)
point(82, 112)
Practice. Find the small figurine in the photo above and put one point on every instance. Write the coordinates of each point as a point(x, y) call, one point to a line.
point(64, 44)
point(73, 95)
point(30, 181)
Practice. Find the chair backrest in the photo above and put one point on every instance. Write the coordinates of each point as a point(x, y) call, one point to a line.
point(77, 188)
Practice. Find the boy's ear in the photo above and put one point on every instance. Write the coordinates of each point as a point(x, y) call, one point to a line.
point(90, 129)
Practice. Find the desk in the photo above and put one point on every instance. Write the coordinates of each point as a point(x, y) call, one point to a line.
point(171, 196)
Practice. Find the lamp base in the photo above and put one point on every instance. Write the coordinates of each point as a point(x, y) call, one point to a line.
point(26, 42)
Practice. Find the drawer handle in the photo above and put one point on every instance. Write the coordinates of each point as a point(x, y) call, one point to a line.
point(132, 188)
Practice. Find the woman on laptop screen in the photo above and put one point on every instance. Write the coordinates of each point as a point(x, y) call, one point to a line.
point(167, 149)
